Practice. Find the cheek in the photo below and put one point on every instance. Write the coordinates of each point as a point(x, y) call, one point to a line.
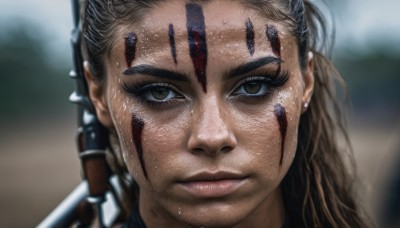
point(121, 113)
point(164, 146)
point(257, 137)
point(269, 136)
point(287, 116)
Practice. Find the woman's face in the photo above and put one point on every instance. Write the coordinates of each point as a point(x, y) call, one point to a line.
point(205, 101)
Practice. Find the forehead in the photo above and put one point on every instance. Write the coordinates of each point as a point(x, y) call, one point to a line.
point(225, 26)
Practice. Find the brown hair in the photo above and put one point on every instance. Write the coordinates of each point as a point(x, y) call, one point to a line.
point(318, 188)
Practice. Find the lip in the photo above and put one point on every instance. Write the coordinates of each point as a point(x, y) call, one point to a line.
point(212, 184)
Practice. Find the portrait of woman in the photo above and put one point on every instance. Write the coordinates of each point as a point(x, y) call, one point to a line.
point(220, 113)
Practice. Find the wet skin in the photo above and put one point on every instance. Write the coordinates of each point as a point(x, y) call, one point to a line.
point(211, 158)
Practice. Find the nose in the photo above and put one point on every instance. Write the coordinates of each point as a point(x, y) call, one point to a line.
point(211, 131)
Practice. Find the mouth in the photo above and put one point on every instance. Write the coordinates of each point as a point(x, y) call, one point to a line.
point(212, 185)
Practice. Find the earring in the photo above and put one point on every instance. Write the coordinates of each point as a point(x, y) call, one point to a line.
point(305, 106)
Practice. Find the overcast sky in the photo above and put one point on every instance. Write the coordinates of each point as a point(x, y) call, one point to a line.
point(360, 23)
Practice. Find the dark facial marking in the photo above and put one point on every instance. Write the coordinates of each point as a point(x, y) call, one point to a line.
point(280, 114)
point(137, 125)
point(250, 36)
point(172, 42)
point(130, 48)
point(197, 41)
point(272, 35)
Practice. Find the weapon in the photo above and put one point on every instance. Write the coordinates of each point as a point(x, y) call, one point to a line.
point(98, 191)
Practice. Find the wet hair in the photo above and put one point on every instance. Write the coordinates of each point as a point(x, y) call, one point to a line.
point(318, 190)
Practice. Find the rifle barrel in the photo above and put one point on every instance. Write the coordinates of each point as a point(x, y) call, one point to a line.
point(64, 213)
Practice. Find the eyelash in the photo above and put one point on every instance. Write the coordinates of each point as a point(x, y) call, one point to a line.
point(139, 91)
point(270, 81)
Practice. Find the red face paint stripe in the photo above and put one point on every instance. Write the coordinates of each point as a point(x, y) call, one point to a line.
point(197, 42)
point(272, 35)
point(137, 125)
point(130, 48)
point(280, 114)
point(171, 35)
point(250, 36)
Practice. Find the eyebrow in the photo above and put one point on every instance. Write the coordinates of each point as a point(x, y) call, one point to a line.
point(157, 72)
point(247, 67)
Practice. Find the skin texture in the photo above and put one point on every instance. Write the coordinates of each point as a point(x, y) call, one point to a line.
point(205, 132)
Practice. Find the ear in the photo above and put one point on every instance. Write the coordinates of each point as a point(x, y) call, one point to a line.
point(98, 97)
point(308, 80)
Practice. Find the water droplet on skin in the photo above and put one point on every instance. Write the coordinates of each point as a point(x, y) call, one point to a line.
point(179, 211)
point(117, 63)
point(290, 88)
point(225, 22)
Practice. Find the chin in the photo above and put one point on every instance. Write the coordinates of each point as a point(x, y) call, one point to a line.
point(214, 215)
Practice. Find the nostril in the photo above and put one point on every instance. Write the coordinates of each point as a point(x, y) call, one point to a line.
point(222, 150)
point(198, 150)
point(226, 149)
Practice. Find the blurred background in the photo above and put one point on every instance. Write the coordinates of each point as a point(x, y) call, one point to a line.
point(39, 165)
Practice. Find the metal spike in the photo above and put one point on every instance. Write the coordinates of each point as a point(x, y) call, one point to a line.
point(76, 99)
point(73, 75)
point(83, 101)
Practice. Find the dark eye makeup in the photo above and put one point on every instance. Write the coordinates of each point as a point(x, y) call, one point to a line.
point(255, 86)
point(259, 85)
point(153, 93)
